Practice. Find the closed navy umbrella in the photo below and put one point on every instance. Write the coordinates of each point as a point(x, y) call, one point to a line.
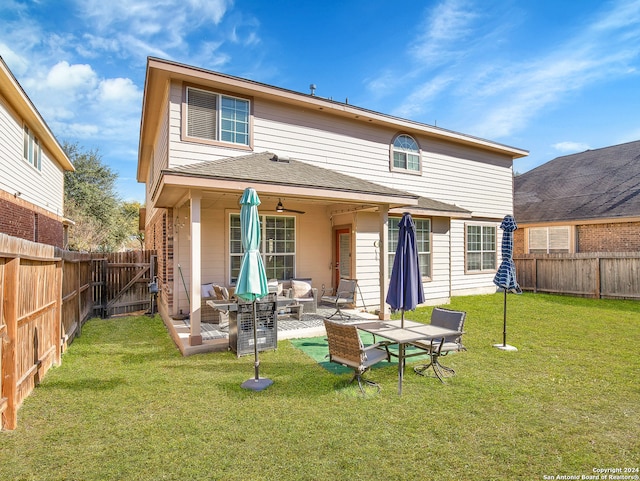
point(405, 286)
point(505, 278)
point(252, 279)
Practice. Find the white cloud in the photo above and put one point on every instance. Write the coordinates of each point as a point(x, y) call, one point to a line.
point(419, 100)
point(450, 23)
point(571, 147)
point(70, 77)
point(517, 95)
point(120, 90)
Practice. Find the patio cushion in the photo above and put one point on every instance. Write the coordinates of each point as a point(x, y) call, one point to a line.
point(206, 290)
point(221, 292)
point(301, 289)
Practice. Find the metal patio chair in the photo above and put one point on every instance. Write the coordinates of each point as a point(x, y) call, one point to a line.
point(437, 348)
point(345, 295)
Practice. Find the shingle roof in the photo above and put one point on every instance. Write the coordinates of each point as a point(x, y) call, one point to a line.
point(266, 167)
point(595, 184)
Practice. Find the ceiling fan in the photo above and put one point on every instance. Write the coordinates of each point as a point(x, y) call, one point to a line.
point(280, 208)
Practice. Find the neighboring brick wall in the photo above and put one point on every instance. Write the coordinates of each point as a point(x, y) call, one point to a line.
point(21, 219)
point(618, 237)
point(49, 231)
point(518, 241)
point(159, 236)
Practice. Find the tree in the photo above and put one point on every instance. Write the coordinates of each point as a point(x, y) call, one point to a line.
point(92, 203)
point(131, 215)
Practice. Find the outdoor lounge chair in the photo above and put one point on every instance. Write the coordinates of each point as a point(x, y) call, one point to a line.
point(345, 295)
point(346, 348)
point(437, 348)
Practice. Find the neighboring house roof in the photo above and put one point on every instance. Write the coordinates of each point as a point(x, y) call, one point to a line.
point(11, 90)
point(595, 184)
point(268, 169)
point(159, 72)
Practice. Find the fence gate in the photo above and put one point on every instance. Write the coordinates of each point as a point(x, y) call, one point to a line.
point(121, 282)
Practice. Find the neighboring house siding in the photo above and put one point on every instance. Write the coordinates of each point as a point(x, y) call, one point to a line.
point(31, 201)
point(622, 237)
point(42, 188)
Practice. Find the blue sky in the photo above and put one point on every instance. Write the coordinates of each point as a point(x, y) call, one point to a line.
point(550, 76)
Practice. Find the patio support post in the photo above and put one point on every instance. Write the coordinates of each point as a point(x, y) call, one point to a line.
point(195, 336)
point(384, 261)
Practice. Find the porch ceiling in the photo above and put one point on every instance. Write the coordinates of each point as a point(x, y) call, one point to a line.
point(274, 176)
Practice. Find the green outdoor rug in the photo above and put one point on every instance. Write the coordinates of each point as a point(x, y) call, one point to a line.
point(318, 350)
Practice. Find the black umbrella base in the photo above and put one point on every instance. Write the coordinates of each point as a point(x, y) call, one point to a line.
point(257, 384)
point(505, 347)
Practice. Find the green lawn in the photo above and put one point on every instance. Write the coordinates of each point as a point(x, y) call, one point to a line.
point(126, 405)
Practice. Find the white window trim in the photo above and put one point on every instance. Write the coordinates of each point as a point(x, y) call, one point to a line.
point(392, 166)
point(466, 248)
point(263, 242)
point(29, 142)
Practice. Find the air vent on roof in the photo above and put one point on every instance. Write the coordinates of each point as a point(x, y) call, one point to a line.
point(281, 158)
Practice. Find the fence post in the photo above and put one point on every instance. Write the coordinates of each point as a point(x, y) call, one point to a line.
point(598, 261)
point(78, 298)
point(57, 330)
point(9, 362)
point(535, 275)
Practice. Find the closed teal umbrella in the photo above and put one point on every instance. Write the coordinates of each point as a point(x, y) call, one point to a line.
point(252, 279)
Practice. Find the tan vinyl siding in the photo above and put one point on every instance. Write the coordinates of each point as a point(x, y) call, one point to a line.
point(475, 180)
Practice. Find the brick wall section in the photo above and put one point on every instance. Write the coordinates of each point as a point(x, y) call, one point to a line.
point(21, 219)
point(618, 237)
point(159, 236)
point(518, 242)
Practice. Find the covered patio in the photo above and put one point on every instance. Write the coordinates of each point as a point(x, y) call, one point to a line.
point(216, 339)
point(320, 224)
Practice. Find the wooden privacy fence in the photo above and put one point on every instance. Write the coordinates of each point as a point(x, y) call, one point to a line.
point(46, 294)
point(599, 275)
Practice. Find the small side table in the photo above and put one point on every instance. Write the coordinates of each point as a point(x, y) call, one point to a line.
point(295, 310)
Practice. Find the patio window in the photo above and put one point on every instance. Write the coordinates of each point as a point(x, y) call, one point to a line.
point(32, 152)
point(217, 117)
point(480, 248)
point(548, 240)
point(423, 243)
point(405, 154)
point(278, 246)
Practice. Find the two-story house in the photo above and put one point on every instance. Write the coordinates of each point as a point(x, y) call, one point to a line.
point(32, 167)
point(333, 179)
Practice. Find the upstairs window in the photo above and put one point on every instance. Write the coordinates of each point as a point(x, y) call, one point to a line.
point(32, 153)
point(217, 117)
point(405, 154)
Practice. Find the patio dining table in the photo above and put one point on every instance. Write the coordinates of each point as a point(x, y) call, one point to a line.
point(411, 332)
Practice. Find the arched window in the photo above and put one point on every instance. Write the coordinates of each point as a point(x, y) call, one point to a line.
point(405, 154)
